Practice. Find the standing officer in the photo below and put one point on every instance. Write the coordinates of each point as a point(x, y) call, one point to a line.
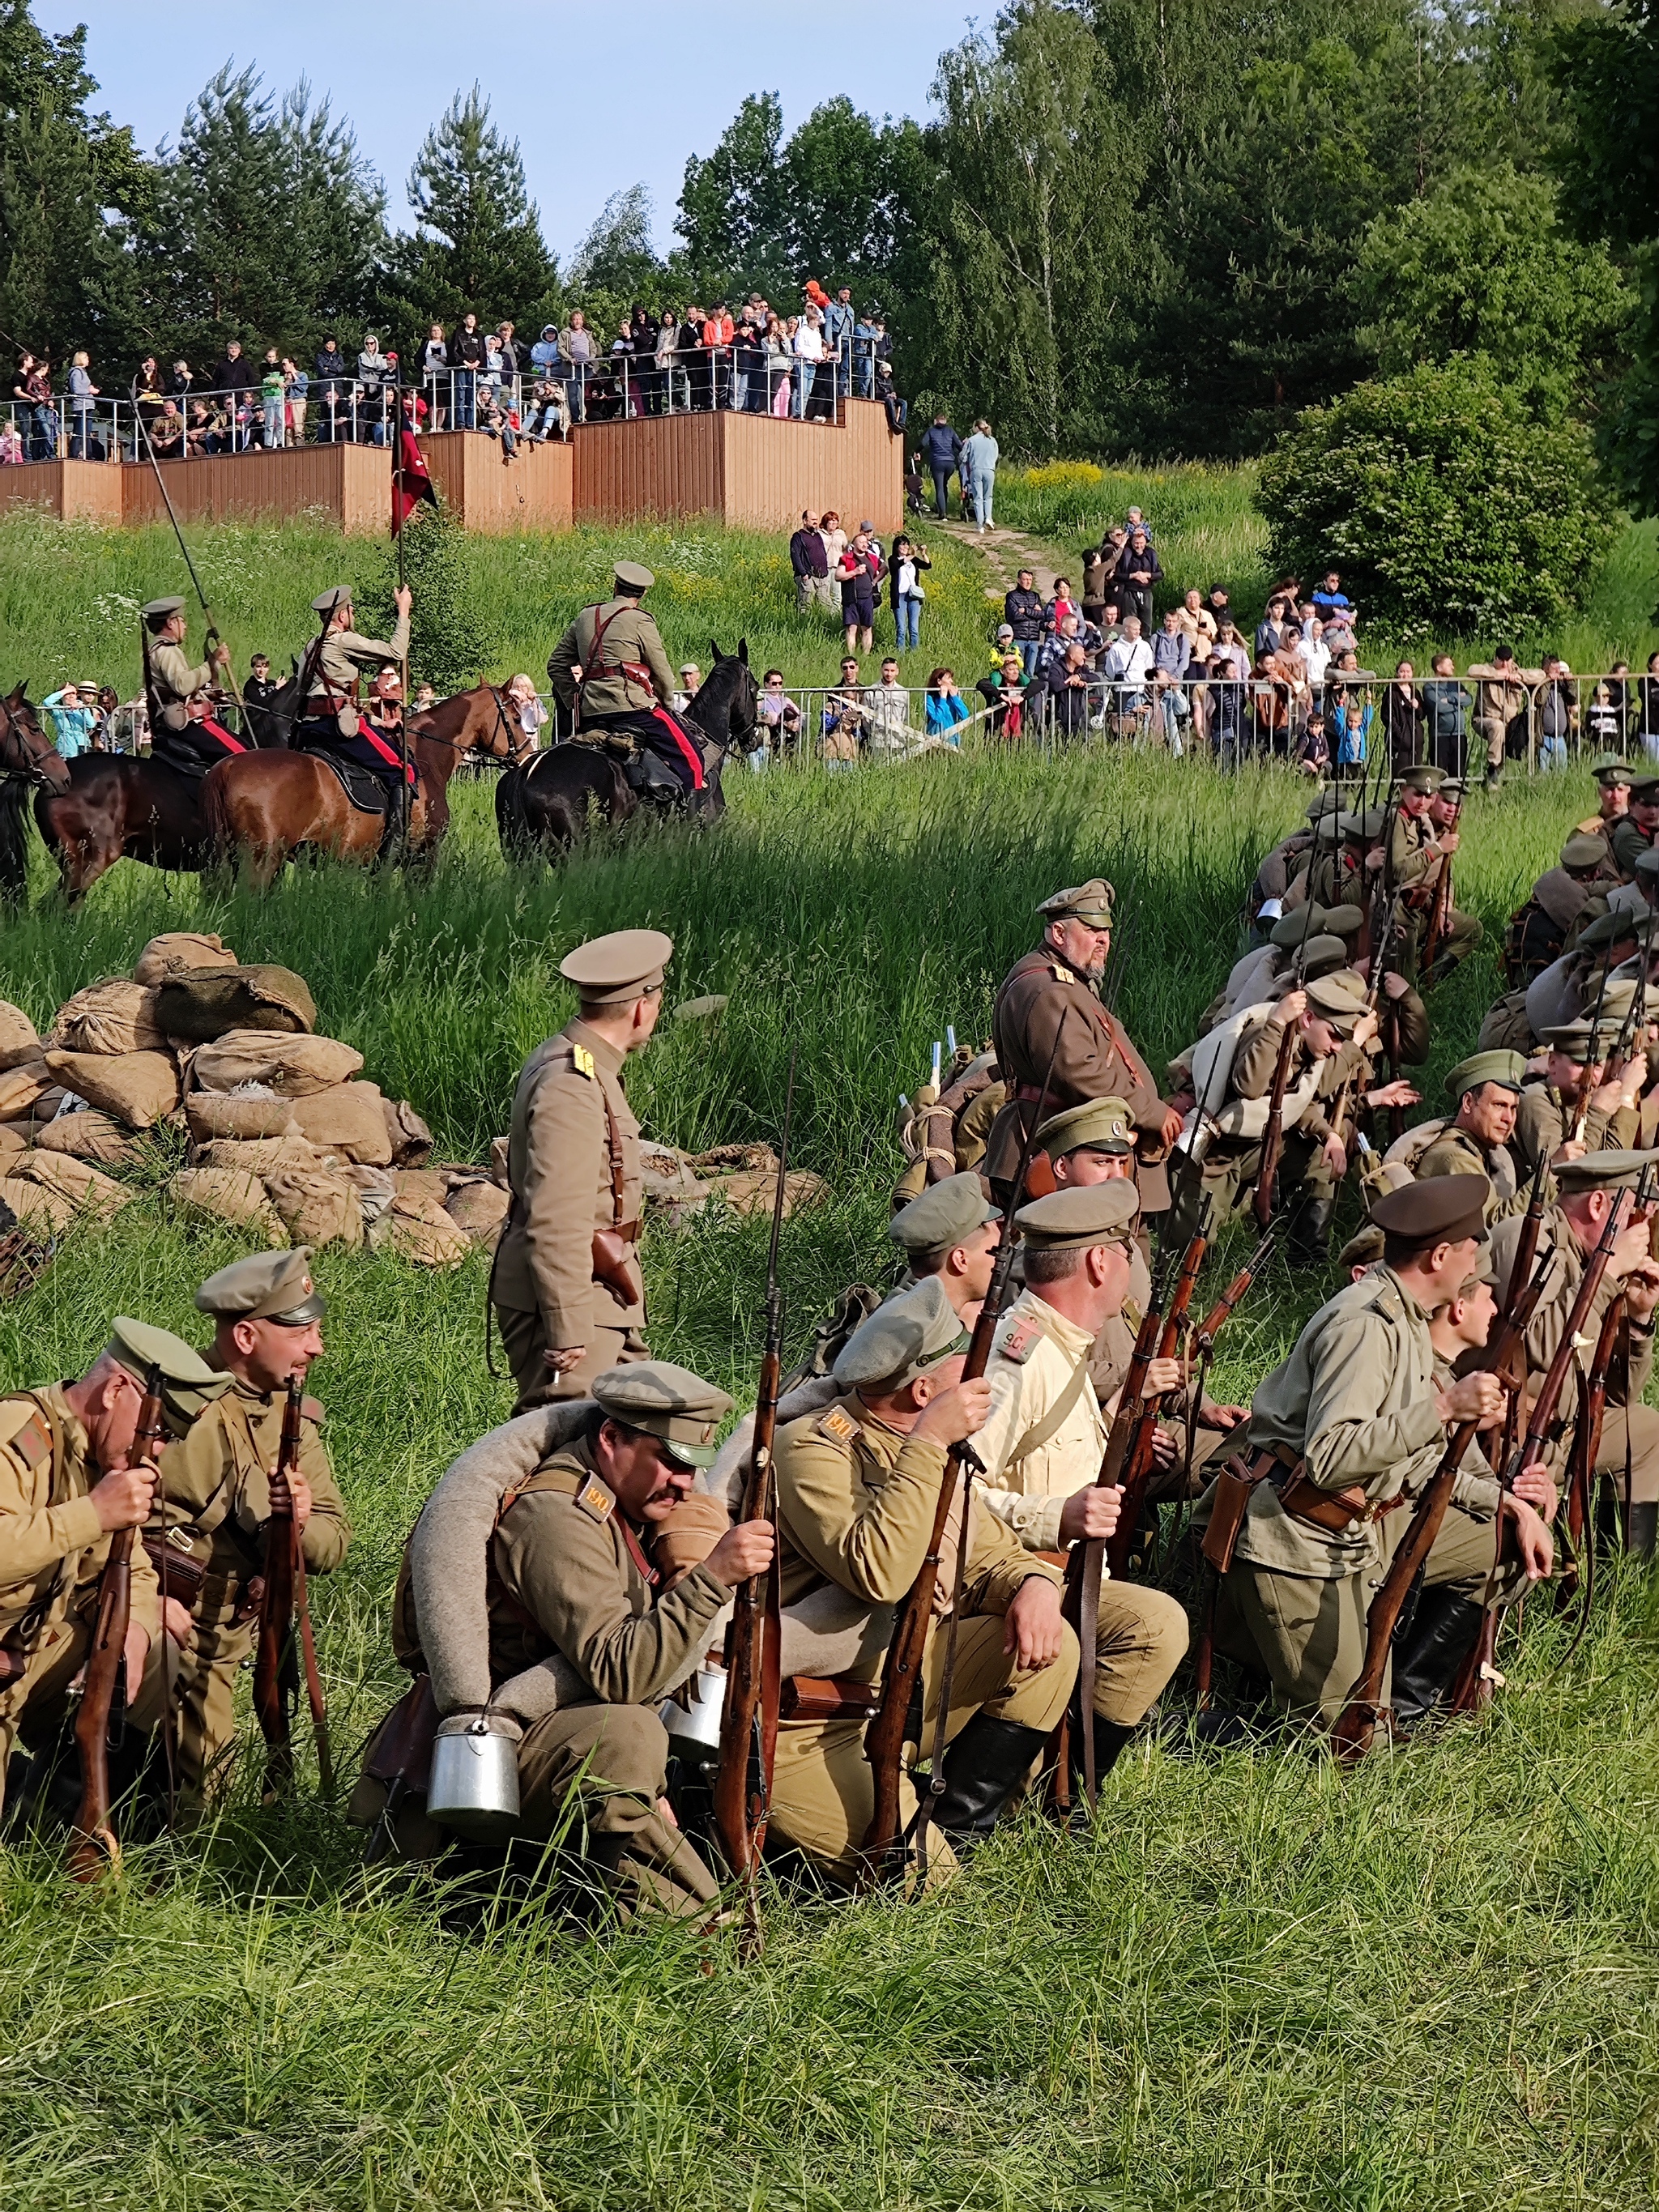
point(330, 720)
point(171, 681)
point(611, 673)
point(568, 1294)
point(68, 1482)
point(1054, 993)
point(219, 1485)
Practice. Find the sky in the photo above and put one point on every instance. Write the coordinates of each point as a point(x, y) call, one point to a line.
point(600, 94)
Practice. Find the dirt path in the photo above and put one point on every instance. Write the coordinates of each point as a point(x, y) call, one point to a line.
point(1004, 553)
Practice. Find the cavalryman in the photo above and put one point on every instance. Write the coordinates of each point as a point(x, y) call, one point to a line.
point(858, 1487)
point(176, 736)
point(69, 1479)
point(1475, 1141)
point(220, 1483)
point(335, 664)
point(568, 1294)
point(1051, 998)
point(610, 670)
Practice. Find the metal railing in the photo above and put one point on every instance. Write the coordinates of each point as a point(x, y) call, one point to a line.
point(561, 395)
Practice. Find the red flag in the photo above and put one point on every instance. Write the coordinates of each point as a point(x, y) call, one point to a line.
point(410, 484)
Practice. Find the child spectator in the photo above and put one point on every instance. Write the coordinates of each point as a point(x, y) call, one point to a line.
point(73, 721)
point(1313, 755)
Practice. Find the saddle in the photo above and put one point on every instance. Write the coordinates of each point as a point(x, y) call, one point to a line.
point(360, 785)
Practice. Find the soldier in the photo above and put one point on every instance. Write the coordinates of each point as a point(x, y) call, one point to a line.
point(1547, 1122)
point(1041, 1443)
point(1475, 1141)
point(1632, 834)
point(330, 720)
point(68, 1482)
point(611, 673)
point(1613, 779)
point(1269, 894)
point(573, 1570)
point(1052, 993)
point(219, 1486)
point(858, 1487)
point(1345, 863)
point(950, 1233)
point(1591, 1185)
point(171, 681)
point(1417, 853)
point(566, 1285)
point(1343, 1436)
point(1290, 942)
point(1569, 987)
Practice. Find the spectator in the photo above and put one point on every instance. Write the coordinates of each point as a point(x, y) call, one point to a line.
point(330, 369)
point(1062, 607)
point(1557, 707)
point(527, 707)
point(690, 676)
point(434, 373)
point(859, 572)
point(296, 386)
point(810, 561)
point(544, 354)
point(167, 435)
point(915, 492)
point(887, 733)
point(467, 356)
point(503, 423)
point(73, 721)
point(941, 449)
point(1139, 572)
point(1338, 628)
point(83, 402)
point(1403, 719)
point(1501, 703)
point(490, 377)
point(234, 378)
point(1330, 595)
point(748, 368)
point(507, 351)
point(549, 411)
point(425, 699)
point(779, 361)
point(863, 358)
point(719, 335)
point(904, 575)
point(1022, 610)
point(258, 690)
point(273, 398)
point(980, 455)
point(1313, 756)
point(1065, 692)
point(34, 388)
point(1002, 644)
point(839, 323)
point(1647, 709)
point(1127, 666)
point(109, 706)
point(1621, 698)
point(1004, 691)
point(1315, 655)
point(374, 374)
point(1349, 713)
point(777, 722)
point(1196, 619)
point(842, 726)
point(898, 414)
point(809, 352)
point(181, 383)
point(835, 538)
point(1270, 630)
point(1225, 695)
point(11, 445)
point(1602, 720)
point(1171, 657)
point(1446, 716)
point(947, 710)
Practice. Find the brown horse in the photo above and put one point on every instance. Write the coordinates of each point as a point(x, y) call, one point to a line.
point(29, 761)
point(267, 806)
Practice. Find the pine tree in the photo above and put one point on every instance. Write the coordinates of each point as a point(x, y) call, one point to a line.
point(452, 638)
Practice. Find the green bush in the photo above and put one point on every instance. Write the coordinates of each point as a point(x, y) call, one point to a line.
point(1441, 501)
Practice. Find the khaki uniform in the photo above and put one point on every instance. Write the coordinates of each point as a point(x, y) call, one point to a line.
point(1501, 704)
point(1355, 1405)
point(1108, 1364)
point(216, 1480)
point(1543, 1123)
point(856, 1501)
point(629, 634)
point(342, 654)
point(173, 677)
point(1042, 1000)
point(52, 1552)
point(574, 1170)
point(1627, 843)
point(1627, 1424)
point(1415, 861)
point(1042, 1443)
point(1459, 1152)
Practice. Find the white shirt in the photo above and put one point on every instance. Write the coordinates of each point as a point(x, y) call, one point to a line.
point(809, 341)
point(1036, 1354)
point(1125, 660)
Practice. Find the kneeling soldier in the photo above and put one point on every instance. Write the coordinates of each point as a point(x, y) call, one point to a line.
point(219, 1485)
point(858, 1486)
point(68, 1482)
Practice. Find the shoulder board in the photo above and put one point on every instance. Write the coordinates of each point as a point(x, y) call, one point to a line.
point(1022, 1341)
point(313, 1409)
point(1133, 1315)
point(23, 1430)
point(595, 1500)
point(838, 1425)
point(582, 1061)
point(1060, 974)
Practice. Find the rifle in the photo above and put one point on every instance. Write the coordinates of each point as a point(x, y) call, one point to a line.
point(1345, 1108)
point(1586, 1443)
point(1273, 1142)
point(1137, 1460)
point(884, 1840)
point(1589, 1074)
point(1440, 912)
point(749, 1717)
point(273, 1663)
point(1355, 1727)
point(104, 1688)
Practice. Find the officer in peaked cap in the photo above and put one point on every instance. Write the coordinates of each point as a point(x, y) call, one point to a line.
point(611, 671)
point(336, 663)
point(1632, 832)
point(655, 1398)
point(171, 681)
point(567, 1289)
point(220, 1484)
point(950, 1233)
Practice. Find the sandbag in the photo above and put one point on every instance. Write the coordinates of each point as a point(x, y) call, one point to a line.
point(137, 1087)
point(296, 1066)
point(204, 1004)
point(228, 1194)
point(478, 1209)
point(18, 1041)
point(259, 1156)
point(86, 1189)
point(376, 1189)
point(110, 1018)
point(316, 1205)
point(347, 1120)
point(425, 1233)
point(421, 1183)
point(180, 948)
point(752, 1190)
point(45, 1212)
point(22, 1089)
point(89, 1136)
point(246, 1116)
point(12, 1145)
point(498, 1164)
point(407, 1133)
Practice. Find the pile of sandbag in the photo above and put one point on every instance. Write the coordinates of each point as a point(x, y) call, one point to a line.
point(679, 1185)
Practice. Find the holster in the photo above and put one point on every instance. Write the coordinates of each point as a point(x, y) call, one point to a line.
point(827, 1698)
point(616, 1263)
point(185, 1575)
point(1233, 1485)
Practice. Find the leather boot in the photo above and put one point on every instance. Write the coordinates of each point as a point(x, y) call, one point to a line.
point(1109, 1740)
point(1442, 1636)
point(982, 1769)
point(1307, 1231)
point(1644, 1526)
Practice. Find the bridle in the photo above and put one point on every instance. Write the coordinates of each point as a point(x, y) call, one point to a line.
point(516, 752)
point(18, 754)
point(734, 741)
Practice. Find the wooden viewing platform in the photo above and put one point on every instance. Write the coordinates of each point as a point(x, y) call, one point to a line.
point(751, 470)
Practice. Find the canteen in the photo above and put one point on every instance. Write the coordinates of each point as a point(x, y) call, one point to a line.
point(700, 1723)
point(474, 1787)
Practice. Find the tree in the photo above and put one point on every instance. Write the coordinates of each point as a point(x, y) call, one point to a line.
point(1442, 498)
point(617, 256)
point(452, 633)
point(733, 215)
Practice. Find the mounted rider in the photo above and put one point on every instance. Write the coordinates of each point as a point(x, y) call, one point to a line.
point(610, 672)
point(332, 690)
point(181, 734)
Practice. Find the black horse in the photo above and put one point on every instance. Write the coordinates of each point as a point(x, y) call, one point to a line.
point(542, 805)
point(28, 762)
point(270, 723)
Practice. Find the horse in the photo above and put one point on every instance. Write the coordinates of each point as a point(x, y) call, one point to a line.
point(270, 722)
point(268, 806)
point(546, 802)
point(28, 760)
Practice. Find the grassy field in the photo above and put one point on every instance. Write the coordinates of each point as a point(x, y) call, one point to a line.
point(1248, 1984)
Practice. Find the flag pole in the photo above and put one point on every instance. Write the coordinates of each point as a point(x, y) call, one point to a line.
point(400, 510)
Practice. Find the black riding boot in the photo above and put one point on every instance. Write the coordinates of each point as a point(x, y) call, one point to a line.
point(1444, 1633)
point(1109, 1740)
point(982, 1769)
point(1644, 1526)
point(1307, 1231)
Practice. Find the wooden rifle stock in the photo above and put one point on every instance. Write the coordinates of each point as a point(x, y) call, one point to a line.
point(96, 1845)
point(1272, 1141)
point(273, 1660)
point(1137, 1464)
point(1440, 911)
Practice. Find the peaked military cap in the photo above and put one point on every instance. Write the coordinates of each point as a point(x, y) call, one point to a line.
point(1339, 998)
point(266, 1286)
point(631, 577)
point(1101, 1124)
point(1090, 903)
point(1301, 922)
point(1073, 1219)
point(189, 1385)
point(608, 970)
point(1453, 786)
point(1610, 1170)
point(1506, 1069)
point(1578, 1040)
point(1424, 776)
point(1320, 955)
point(1363, 1248)
point(330, 602)
point(946, 1212)
point(1369, 825)
point(1647, 864)
point(1325, 802)
point(1344, 921)
point(1645, 788)
point(1619, 1001)
point(1441, 1211)
point(1610, 772)
point(912, 1331)
point(1583, 849)
point(668, 1402)
point(157, 610)
point(1609, 928)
